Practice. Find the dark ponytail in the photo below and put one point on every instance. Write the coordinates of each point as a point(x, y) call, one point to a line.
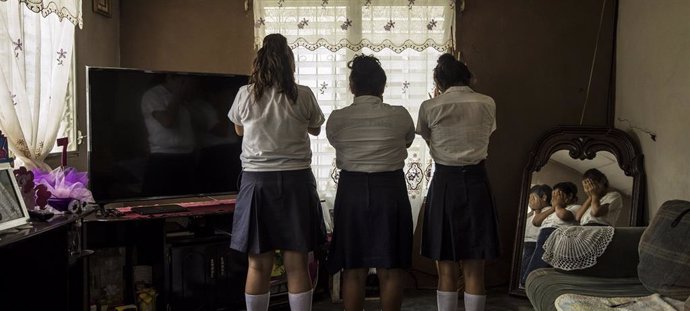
point(367, 77)
point(451, 72)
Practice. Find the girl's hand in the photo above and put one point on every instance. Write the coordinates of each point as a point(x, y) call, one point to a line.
point(437, 91)
point(558, 198)
point(534, 202)
point(592, 189)
point(588, 186)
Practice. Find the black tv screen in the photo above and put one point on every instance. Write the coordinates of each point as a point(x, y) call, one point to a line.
point(161, 134)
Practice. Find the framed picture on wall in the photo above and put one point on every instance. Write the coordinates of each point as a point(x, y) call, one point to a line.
point(102, 7)
point(12, 208)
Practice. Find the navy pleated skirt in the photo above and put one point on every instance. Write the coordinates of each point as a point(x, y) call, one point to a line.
point(373, 222)
point(460, 218)
point(277, 210)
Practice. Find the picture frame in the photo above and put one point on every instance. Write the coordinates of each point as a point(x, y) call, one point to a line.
point(102, 7)
point(13, 211)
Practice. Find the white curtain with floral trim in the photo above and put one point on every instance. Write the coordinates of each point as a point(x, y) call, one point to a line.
point(35, 63)
point(407, 36)
point(356, 24)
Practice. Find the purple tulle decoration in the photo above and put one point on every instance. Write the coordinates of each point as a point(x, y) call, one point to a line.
point(65, 182)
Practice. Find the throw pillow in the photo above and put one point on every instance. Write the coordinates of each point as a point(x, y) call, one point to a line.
point(664, 265)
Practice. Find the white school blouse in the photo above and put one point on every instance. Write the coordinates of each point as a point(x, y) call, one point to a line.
point(532, 231)
point(615, 202)
point(179, 139)
point(457, 125)
point(552, 221)
point(370, 136)
point(275, 131)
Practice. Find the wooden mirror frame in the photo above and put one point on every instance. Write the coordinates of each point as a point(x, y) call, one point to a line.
point(583, 143)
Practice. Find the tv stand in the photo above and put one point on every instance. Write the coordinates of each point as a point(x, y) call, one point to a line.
point(191, 264)
point(159, 209)
point(41, 262)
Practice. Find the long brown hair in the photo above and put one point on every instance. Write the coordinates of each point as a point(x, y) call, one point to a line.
point(274, 66)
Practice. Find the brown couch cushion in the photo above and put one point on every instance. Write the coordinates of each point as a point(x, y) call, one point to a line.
point(664, 250)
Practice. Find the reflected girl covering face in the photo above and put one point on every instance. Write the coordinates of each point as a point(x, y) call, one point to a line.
point(564, 193)
point(536, 202)
point(539, 197)
point(595, 183)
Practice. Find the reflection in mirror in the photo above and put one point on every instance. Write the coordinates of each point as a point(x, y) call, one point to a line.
point(571, 192)
point(595, 177)
point(561, 168)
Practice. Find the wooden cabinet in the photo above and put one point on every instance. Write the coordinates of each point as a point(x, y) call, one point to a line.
point(192, 265)
point(204, 274)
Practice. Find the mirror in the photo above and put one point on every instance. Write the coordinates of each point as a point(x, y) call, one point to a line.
point(560, 166)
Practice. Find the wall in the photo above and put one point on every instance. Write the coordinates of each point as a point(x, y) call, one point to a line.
point(653, 91)
point(176, 35)
point(183, 35)
point(97, 44)
point(533, 58)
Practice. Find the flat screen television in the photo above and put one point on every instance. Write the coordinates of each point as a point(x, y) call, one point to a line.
point(161, 134)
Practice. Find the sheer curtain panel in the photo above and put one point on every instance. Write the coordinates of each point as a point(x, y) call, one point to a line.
point(35, 62)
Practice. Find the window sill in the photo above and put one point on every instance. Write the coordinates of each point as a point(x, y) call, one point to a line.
point(57, 155)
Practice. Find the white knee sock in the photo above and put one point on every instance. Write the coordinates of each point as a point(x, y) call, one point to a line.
point(257, 302)
point(447, 301)
point(474, 302)
point(300, 301)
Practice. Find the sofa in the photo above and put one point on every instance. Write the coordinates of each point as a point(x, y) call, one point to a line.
point(627, 268)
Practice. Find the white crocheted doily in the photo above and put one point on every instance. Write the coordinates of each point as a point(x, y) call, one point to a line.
point(576, 247)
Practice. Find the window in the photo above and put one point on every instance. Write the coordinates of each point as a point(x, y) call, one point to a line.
point(68, 124)
point(35, 34)
point(406, 36)
point(38, 77)
point(409, 83)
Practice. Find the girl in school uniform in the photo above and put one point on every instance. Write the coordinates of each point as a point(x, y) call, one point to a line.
point(277, 206)
point(560, 214)
point(373, 218)
point(539, 200)
point(603, 205)
point(460, 218)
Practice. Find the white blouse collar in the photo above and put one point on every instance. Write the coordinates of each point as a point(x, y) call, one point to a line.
point(367, 99)
point(463, 88)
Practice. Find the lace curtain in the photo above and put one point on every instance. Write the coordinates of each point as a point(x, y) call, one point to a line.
point(356, 24)
point(35, 62)
point(407, 36)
